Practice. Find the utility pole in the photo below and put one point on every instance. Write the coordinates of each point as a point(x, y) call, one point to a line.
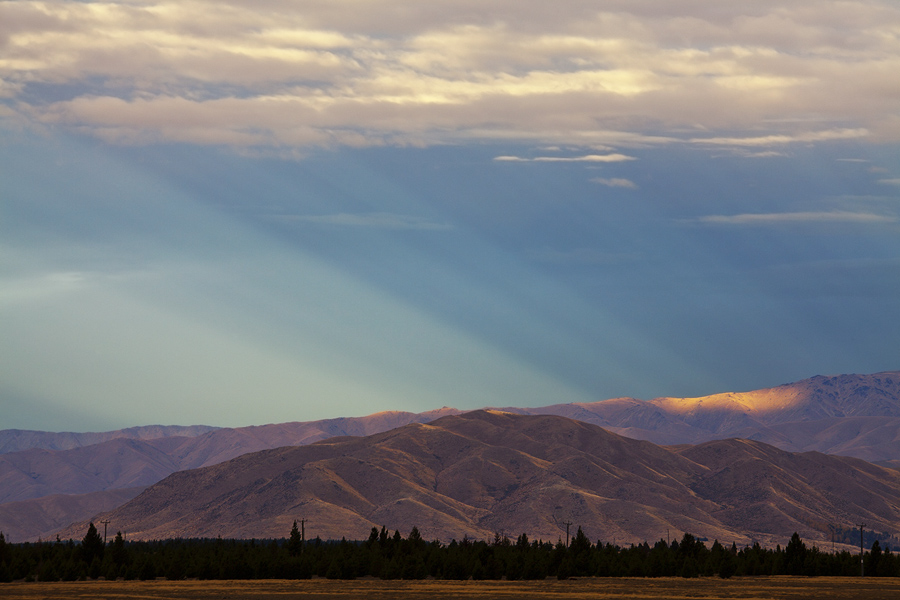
point(105, 523)
point(302, 532)
point(862, 564)
point(567, 524)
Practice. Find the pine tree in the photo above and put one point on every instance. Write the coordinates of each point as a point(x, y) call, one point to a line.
point(872, 560)
point(5, 573)
point(295, 543)
point(795, 556)
point(119, 553)
point(91, 545)
point(373, 537)
point(414, 536)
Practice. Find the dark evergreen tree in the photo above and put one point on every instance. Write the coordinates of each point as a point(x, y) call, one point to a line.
point(393, 557)
point(659, 561)
point(580, 553)
point(91, 545)
point(373, 537)
point(5, 571)
point(415, 540)
point(690, 568)
point(872, 560)
point(795, 556)
point(295, 543)
point(728, 566)
point(118, 551)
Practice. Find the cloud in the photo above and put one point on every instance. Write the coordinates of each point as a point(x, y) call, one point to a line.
point(774, 140)
point(373, 220)
point(795, 217)
point(763, 154)
point(333, 73)
point(889, 181)
point(601, 158)
point(615, 182)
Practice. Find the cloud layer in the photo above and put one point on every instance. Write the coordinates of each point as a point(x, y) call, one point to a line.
point(274, 74)
point(837, 216)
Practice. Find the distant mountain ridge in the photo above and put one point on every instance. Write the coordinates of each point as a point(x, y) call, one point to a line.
point(128, 462)
point(484, 472)
point(851, 415)
point(16, 440)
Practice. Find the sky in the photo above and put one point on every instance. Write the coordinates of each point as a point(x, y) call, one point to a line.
point(236, 213)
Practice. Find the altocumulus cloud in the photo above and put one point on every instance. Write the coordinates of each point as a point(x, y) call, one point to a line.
point(774, 140)
point(795, 217)
point(355, 73)
point(597, 158)
point(615, 182)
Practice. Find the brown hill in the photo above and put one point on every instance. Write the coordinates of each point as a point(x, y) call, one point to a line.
point(223, 444)
point(16, 440)
point(484, 472)
point(763, 489)
point(851, 415)
point(41, 518)
point(128, 462)
point(116, 464)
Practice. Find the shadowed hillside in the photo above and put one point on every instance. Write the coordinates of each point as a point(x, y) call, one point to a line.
point(850, 415)
point(15, 440)
point(485, 471)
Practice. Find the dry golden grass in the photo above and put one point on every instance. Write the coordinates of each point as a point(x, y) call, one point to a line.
point(776, 588)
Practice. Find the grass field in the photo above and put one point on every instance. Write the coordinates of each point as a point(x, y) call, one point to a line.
point(778, 588)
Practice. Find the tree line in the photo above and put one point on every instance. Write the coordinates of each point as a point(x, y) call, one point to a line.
point(388, 556)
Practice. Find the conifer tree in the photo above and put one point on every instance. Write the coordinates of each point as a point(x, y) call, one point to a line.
point(91, 545)
point(795, 556)
point(5, 574)
point(295, 543)
point(119, 553)
point(373, 537)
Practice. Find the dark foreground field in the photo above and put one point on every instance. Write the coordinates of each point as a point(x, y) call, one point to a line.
point(707, 588)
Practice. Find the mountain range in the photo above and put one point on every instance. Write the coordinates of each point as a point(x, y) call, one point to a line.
point(87, 477)
point(850, 415)
point(487, 472)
